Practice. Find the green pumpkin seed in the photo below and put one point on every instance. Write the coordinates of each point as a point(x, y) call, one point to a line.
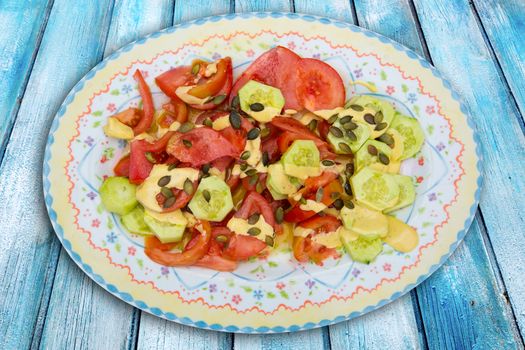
point(259, 187)
point(338, 204)
point(351, 135)
point(235, 102)
point(319, 194)
point(269, 241)
point(253, 180)
point(217, 100)
point(327, 162)
point(208, 122)
point(349, 204)
point(387, 139)
point(163, 181)
point(349, 169)
point(257, 107)
point(346, 119)
point(195, 69)
point(206, 194)
point(188, 187)
point(235, 119)
point(244, 166)
point(372, 150)
point(350, 126)
point(221, 238)
point(279, 215)
point(302, 200)
point(265, 132)
point(381, 126)
point(169, 202)
point(206, 168)
point(187, 143)
point(369, 118)
point(336, 131)
point(150, 158)
point(333, 118)
point(251, 172)
point(245, 155)
point(335, 195)
point(185, 127)
point(172, 166)
point(253, 134)
point(166, 192)
point(348, 188)
point(344, 147)
point(252, 220)
point(312, 125)
point(378, 118)
point(383, 158)
point(254, 231)
point(357, 108)
point(265, 158)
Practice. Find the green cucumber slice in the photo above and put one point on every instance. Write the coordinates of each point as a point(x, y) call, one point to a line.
point(212, 200)
point(276, 195)
point(364, 158)
point(269, 98)
point(279, 181)
point(362, 133)
point(413, 136)
point(168, 227)
point(375, 189)
point(407, 192)
point(302, 159)
point(363, 250)
point(118, 195)
point(367, 223)
point(378, 105)
point(134, 222)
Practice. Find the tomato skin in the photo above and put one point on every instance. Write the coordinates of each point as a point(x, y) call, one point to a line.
point(319, 86)
point(176, 111)
point(122, 167)
point(246, 182)
point(193, 252)
point(296, 214)
point(147, 105)
point(224, 91)
point(304, 249)
point(256, 203)
point(216, 262)
point(233, 181)
point(214, 84)
point(277, 68)
point(182, 199)
point(139, 165)
point(324, 129)
point(321, 224)
point(130, 116)
point(169, 81)
point(243, 247)
point(271, 147)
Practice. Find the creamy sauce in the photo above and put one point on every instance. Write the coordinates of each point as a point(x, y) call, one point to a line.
point(254, 147)
point(115, 128)
point(301, 172)
point(302, 231)
point(290, 111)
point(144, 136)
point(174, 218)
point(348, 234)
point(192, 221)
point(308, 117)
point(312, 205)
point(327, 113)
point(182, 93)
point(265, 115)
point(401, 236)
point(162, 131)
point(216, 172)
point(369, 86)
point(329, 239)
point(240, 226)
point(280, 181)
point(221, 123)
point(210, 70)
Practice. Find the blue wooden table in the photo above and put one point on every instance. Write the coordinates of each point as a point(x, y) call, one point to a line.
point(476, 300)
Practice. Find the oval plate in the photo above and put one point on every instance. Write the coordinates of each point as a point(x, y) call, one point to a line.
point(274, 294)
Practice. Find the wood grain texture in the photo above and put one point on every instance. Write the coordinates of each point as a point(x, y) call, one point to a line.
point(338, 9)
point(459, 51)
point(504, 23)
point(29, 248)
point(21, 26)
point(263, 5)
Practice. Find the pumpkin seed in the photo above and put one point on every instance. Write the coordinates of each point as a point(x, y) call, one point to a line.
point(172, 166)
point(163, 181)
point(378, 118)
point(335, 195)
point(185, 127)
point(245, 155)
point(166, 192)
point(265, 158)
point(347, 188)
point(253, 180)
point(344, 147)
point(221, 238)
point(357, 108)
point(188, 187)
point(327, 162)
point(254, 231)
point(372, 150)
point(169, 202)
point(336, 131)
point(187, 143)
point(351, 135)
point(259, 187)
point(338, 204)
point(252, 220)
point(195, 69)
point(235, 102)
point(257, 107)
point(269, 241)
point(251, 172)
point(319, 194)
point(206, 194)
point(381, 126)
point(349, 169)
point(346, 119)
point(235, 119)
point(369, 118)
point(333, 118)
point(279, 215)
point(387, 139)
point(208, 122)
point(302, 200)
point(312, 125)
point(383, 158)
point(206, 168)
point(253, 134)
point(349, 204)
point(350, 126)
point(265, 132)
point(217, 100)
point(244, 166)
point(150, 158)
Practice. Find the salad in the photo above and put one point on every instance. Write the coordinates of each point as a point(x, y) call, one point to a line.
point(277, 160)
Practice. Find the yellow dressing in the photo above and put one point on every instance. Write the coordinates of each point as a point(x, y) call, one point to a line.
point(327, 113)
point(401, 236)
point(175, 217)
point(302, 231)
point(115, 128)
point(241, 227)
point(312, 205)
point(221, 123)
point(369, 86)
point(301, 172)
point(329, 239)
point(182, 93)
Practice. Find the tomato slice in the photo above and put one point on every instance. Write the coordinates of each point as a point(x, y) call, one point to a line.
point(214, 84)
point(205, 145)
point(296, 214)
point(182, 198)
point(249, 185)
point(147, 105)
point(256, 203)
point(243, 247)
point(271, 147)
point(321, 224)
point(176, 111)
point(216, 262)
point(305, 249)
point(130, 116)
point(194, 250)
point(226, 88)
point(139, 165)
point(277, 68)
point(169, 81)
point(323, 128)
point(122, 167)
point(319, 86)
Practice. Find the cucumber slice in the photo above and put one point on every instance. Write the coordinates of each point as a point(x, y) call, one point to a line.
point(401, 236)
point(363, 250)
point(302, 159)
point(364, 158)
point(367, 223)
point(398, 146)
point(412, 133)
point(134, 222)
point(375, 189)
point(362, 133)
point(377, 105)
point(212, 200)
point(279, 181)
point(118, 195)
point(270, 98)
point(168, 227)
point(276, 195)
point(407, 192)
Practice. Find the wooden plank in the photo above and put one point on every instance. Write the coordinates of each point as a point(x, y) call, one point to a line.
point(504, 24)
point(21, 26)
point(156, 333)
point(29, 248)
point(262, 5)
point(93, 316)
point(337, 9)
point(459, 51)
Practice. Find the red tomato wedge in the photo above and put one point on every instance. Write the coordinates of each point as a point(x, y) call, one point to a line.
point(296, 214)
point(319, 86)
point(122, 167)
point(130, 116)
point(305, 249)
point(169, 81)
point(256, 203)
point(147, 105)
point(216, 262)
point(243, 247)
point(176, 111)
point(212, 86)
point(182, 199)
point(201, 146)
point(226, 88)
point(321, 224)
point(277, 68)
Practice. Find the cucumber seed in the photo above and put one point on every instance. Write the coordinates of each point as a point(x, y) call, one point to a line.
point(235, 102)
point(187, 126)
point(221, 238)
point(206, 168)
point(265, 132)
point(244, 166)
point(336, 131)
point(351, 135)
point(349, 204)
point(378, 118)
point(333, 118)
point(208, 122)
point(217, 100)
point(346, 119)
point(187, 143)
point(319, 195)
point(166, 192)
point(387, 139)
point(327, 162)
point(265, 158)
point(251, 172)
point(350, 126)
point(312, 125)
point(338, 204)
point(195, 69)
point(381, 126)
